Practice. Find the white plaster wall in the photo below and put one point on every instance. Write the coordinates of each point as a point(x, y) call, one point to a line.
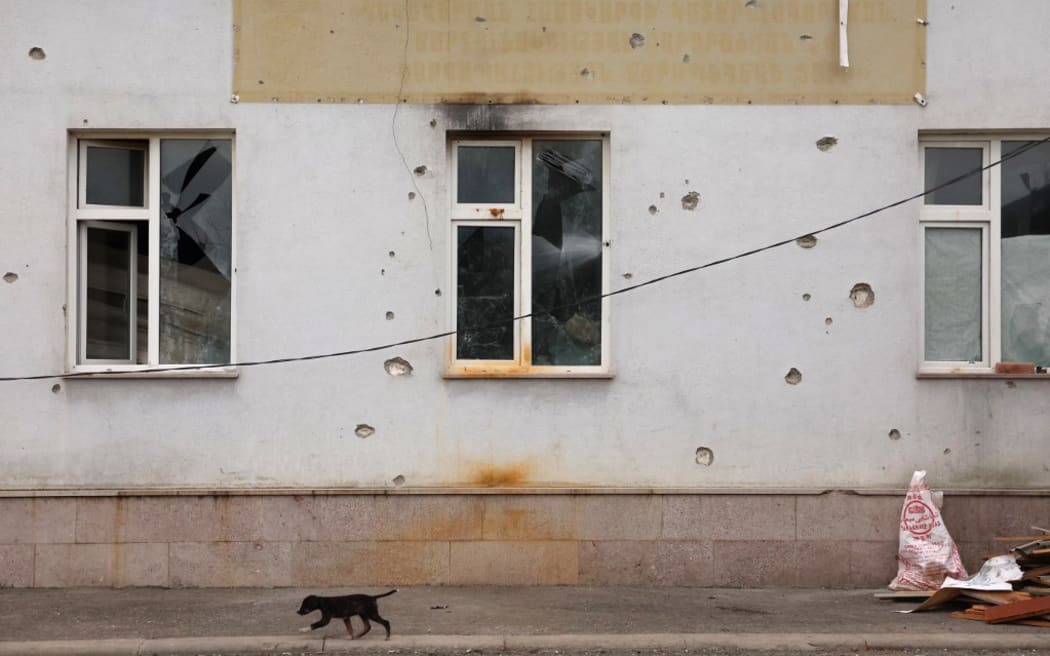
point(699, 361)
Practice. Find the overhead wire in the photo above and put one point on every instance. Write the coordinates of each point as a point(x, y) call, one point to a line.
point(592, 299)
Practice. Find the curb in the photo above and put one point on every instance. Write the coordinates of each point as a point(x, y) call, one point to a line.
point(607, 641)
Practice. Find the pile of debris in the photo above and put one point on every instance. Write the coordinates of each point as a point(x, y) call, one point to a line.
point(1012, 588)
point(1030, 603)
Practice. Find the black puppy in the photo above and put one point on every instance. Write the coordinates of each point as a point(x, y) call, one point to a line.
point(344, 608)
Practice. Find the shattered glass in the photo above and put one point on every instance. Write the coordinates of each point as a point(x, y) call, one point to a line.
point(953, 295)
point(944, 164)
point(195, 250)
point(485, 174)
point(566, 252)
point(485, 293)
point(1026, 254)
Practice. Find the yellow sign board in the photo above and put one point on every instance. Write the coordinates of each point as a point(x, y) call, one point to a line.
point(578, 51)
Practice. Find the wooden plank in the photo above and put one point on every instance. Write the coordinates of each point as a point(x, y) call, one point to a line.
point(1018, 611)
point(905, 594)
point(997, 598)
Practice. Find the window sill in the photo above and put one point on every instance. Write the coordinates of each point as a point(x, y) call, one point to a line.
point(978, 375)
point(481, 373)
point(194, 374)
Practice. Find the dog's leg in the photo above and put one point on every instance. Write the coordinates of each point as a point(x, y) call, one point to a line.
point(349, 628)
point(325, 619)
point(386, 625)
point(368, 626)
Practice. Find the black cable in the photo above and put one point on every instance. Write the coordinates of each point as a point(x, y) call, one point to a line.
point(623, 290)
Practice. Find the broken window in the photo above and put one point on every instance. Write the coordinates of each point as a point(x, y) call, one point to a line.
point(153, 229)
point(1026, 253)
point(529, 218)
point(992, 225)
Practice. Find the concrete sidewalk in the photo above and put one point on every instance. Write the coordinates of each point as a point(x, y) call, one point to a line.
point(194, 621)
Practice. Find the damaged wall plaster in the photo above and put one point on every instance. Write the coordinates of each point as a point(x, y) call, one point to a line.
point(690, 201)
point(862, 295)
point(397, 366)
point(793, 377)
point(705, 456)
point(10, 277)
point(364, 430)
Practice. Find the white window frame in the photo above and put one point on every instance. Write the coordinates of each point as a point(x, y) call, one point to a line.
point(82, 244)
point(521, 215)
point(987, 216)
point(83, 214)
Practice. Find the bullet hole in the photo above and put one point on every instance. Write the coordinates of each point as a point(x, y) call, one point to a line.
point(687, 181)
point(824, 144)
point(411, 195)
point(686, 58)
point(399, 480)
point(827, 321)
point(586, 73)
point(433, 123)
point(397, 367)
point(652, 209)
point(661, 194)
point(690, 200)
point(331, 31)
point(364, 430)
point(437, 292)
point(10, 276)
point(85, 121)
point(392, 254)
point(947, 452)
point(809, 241)
point(637, 40)
point(389, 316)
point(260, 82)
point(895, 434)
point(862, 295)
point(420, 170)
point(751, 4)
point(806, 297)
point(479, 19)
point(628, 276)
point(37, 53)
point(382, 272)
point(544, 28)
point(805, 37)
point(793, 377)
point(705, 456)
point(56, 388)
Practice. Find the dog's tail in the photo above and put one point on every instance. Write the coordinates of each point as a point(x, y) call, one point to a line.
point(385, 594)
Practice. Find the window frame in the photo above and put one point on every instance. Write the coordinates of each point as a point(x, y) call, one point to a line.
point(472, 214)
point(988, 216)
point(79, 212)
point(132, 231)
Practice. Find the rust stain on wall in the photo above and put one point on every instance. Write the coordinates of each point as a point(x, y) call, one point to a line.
point(532, 51)
point(513, 475)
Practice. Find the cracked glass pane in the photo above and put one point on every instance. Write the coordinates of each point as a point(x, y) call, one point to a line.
point(486, 174)
point(195, 238)
point(485, 293)
point(953, 295)
point(116, 176)
point(566, 252)
point(1026, 254)
point(944, 164)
